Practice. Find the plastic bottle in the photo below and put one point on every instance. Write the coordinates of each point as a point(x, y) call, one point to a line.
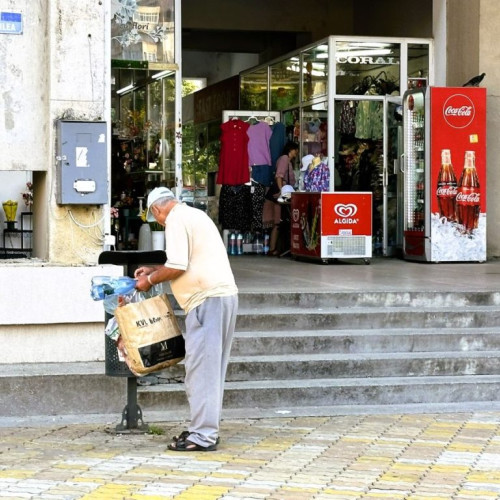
point(266, 243)
point(378, 243)
point(145, 238)
point(102, 286)
point(257, 243)
point(232, 244)
point(239, 244)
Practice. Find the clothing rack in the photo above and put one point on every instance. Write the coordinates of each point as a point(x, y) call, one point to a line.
point(247, 115)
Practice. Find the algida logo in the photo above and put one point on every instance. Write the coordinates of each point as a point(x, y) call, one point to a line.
point(345, 213)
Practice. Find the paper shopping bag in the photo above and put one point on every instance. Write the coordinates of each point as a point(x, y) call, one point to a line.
point(150, 334)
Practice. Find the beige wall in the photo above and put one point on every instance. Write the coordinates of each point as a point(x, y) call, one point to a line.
point(489, 62)
point(462, 41)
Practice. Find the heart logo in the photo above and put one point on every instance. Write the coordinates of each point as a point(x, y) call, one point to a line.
point(295, 214)
point(348, 210)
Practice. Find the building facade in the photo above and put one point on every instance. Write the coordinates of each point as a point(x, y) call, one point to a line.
point(57, 67)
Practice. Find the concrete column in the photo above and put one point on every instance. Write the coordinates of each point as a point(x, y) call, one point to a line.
point(462, 32)
point(78, 66)
point(489, 57)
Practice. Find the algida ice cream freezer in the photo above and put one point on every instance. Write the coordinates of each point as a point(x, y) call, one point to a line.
point(331, 225)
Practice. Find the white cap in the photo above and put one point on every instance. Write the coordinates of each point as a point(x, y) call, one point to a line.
point(306, 161)
point(286, 192)
point(155, 195)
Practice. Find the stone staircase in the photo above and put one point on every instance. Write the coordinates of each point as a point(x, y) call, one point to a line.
point(318, 350)
point(309, 354)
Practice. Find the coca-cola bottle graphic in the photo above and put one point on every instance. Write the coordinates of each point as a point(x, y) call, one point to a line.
point(446, 191)
point(468, 201)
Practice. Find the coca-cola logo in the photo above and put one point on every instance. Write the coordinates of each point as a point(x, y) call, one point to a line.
point(468, 198)
point(345, 210)
point(447, 191)
point(458, 111)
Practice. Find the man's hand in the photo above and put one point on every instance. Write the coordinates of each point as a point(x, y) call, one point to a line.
point(143, 271)
point(142, 283)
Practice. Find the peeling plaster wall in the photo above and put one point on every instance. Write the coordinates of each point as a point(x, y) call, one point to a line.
point(57, 68)
point(25, 119)
point(79, 73)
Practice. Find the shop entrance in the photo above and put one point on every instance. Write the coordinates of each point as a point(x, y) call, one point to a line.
point(368, 145)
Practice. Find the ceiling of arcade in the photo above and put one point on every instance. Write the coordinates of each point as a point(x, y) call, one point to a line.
point(273, 28)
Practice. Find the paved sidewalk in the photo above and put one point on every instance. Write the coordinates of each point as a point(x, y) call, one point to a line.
point(392, 456)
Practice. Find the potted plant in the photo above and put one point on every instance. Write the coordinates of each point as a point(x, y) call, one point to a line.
point(10, 209)
point(157, 236)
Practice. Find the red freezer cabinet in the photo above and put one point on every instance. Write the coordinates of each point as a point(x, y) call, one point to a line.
point(331, 225)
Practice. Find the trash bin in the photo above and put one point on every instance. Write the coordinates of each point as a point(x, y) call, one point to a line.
point(132, 420)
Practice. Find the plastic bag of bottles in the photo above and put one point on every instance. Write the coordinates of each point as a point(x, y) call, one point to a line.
point(112, 290)
point(118, 291)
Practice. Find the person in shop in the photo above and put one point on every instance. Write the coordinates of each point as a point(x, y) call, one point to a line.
point(272, 210)
point(203, 284)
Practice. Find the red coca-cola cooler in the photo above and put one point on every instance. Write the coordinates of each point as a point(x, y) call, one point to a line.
point(445, 174)
point(331, 225)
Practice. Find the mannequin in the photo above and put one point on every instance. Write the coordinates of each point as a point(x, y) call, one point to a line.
point(317, 177)
point(316, 161)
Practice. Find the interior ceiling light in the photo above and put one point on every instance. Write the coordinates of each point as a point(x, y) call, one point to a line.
point(162, 74)
point(126, 89)
point(358, 53)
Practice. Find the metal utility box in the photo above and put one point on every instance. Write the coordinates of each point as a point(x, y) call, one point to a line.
point(82, 176)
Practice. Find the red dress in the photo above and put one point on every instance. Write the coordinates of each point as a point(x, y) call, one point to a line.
point(234, 168)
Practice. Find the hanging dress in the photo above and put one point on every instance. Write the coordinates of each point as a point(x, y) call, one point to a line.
point(233, 163)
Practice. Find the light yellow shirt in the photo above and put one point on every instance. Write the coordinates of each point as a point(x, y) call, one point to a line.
point(194, 245)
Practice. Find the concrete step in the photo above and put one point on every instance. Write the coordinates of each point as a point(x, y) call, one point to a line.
point(289, 366)
point(59, 388)
point(331, 392)
point(360, 341)
point(359, 365)
point(308, 300)
point(313, 300)
point(293, 319)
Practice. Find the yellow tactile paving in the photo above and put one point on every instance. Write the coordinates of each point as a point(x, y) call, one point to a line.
point(408, 457)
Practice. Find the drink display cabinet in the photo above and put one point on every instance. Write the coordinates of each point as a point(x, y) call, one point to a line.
point(445, 140)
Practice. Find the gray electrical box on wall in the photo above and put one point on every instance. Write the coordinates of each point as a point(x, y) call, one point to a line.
point(82, 174)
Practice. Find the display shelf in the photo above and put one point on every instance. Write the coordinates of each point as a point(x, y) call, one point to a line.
point(22, 250)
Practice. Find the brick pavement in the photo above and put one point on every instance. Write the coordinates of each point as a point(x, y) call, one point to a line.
point(405, 456)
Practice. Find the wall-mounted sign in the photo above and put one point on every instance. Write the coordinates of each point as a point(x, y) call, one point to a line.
point(11, 23)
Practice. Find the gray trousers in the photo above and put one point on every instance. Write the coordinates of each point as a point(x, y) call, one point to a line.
point(208, 338)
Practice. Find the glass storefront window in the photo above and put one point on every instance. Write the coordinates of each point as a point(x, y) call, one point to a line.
point(291, 120)
point(143, 127)
point(188, 146)
point(314, 130)
point(285, 83)
point(315, 72)
point(143, 33)
point(367, 68)
point(418, 65)
point(253, 90)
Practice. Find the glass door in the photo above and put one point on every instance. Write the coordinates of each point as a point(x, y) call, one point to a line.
point(392, 177)
point(359, 155)
point(414, 171)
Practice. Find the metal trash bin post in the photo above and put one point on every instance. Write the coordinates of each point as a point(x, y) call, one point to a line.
point(132, 420)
